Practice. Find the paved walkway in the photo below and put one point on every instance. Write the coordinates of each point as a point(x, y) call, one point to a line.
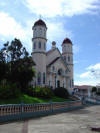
point(78, 121)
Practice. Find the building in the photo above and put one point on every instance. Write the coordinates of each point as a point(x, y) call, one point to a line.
point(98, 88)
point(83, 90)
point(53, 68)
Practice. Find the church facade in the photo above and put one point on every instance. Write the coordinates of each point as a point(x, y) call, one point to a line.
point(53, 68)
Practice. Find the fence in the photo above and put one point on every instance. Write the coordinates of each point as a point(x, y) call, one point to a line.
point(24, 111)
point(92, 100)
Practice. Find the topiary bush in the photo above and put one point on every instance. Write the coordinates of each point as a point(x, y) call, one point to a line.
point(61, 92)
point(43, 92)
point(9, 91)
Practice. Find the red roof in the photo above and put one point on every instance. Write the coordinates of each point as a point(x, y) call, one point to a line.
point(85, 87)
point(67, 40)
point(40, 22)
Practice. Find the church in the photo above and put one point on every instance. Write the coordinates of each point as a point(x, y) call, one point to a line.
point(53, 68)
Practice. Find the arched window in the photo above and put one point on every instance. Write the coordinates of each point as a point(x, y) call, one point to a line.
point(43, 78)
point(44, 46)
point(68, 58)
point(34, 45)
point(39, 78)
point(60, 71)
point(44, 33)
point(39, 44)
point(64, 58)
point(40, 31)
point(35, 34)
point(53, 68)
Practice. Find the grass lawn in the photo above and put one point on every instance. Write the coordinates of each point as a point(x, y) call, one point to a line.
point(28, 99)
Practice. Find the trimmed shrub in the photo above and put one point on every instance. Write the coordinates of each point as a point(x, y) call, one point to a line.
point(43, 92)
point(9, 91)
point(61, 92)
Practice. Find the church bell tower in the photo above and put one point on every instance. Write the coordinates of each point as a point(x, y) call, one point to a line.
point(67, 53)
point(39, 51)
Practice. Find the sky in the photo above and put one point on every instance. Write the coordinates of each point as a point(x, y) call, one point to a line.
point(78, 20)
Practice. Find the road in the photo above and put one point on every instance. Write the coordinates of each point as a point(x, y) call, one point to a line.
point(78, 121)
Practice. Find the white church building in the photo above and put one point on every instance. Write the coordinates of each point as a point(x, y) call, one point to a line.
point(53, 68)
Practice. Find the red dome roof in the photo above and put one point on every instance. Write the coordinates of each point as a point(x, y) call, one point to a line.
point(67, 40)
point(40, 22)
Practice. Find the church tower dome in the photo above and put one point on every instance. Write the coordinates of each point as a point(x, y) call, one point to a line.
point(67, 46)
point(40, 23)
point(39, 51)
point(66, 41)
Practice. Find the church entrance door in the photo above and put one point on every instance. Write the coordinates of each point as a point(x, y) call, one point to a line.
point(58, 83)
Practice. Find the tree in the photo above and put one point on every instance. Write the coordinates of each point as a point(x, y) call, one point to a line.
point(18, 64)
point(94, 89)
point(3, 64)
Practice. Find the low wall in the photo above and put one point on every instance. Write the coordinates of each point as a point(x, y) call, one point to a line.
point(23, 111)
point(92, 100)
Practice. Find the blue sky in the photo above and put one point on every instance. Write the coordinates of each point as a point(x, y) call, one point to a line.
point(77, 19)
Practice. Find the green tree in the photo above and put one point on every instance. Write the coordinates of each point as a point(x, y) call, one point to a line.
point(3, 64)
point(94, 89)
point(15, 64)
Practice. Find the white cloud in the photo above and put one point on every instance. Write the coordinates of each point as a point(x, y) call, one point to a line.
point(94, 67)
point(86, 82)
point(53, 33)
point(50, 8)
point(91, 76)
point(9, 27)
point(86, 75)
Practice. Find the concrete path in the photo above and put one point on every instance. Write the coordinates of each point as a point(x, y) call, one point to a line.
point(78, 121)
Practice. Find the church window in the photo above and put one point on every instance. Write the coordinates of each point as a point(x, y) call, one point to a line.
point(39, 78)
point(53, 68)
point(68, 58)
point(43, 78)
point(60, 71)
point(40, 30)
point(34, 45)
point(64, 58)
point(72, 83)
point(44, 46)
point(39, 44)
point(44, 32)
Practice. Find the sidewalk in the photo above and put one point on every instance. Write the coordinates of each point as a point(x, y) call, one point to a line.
point(78, 121)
